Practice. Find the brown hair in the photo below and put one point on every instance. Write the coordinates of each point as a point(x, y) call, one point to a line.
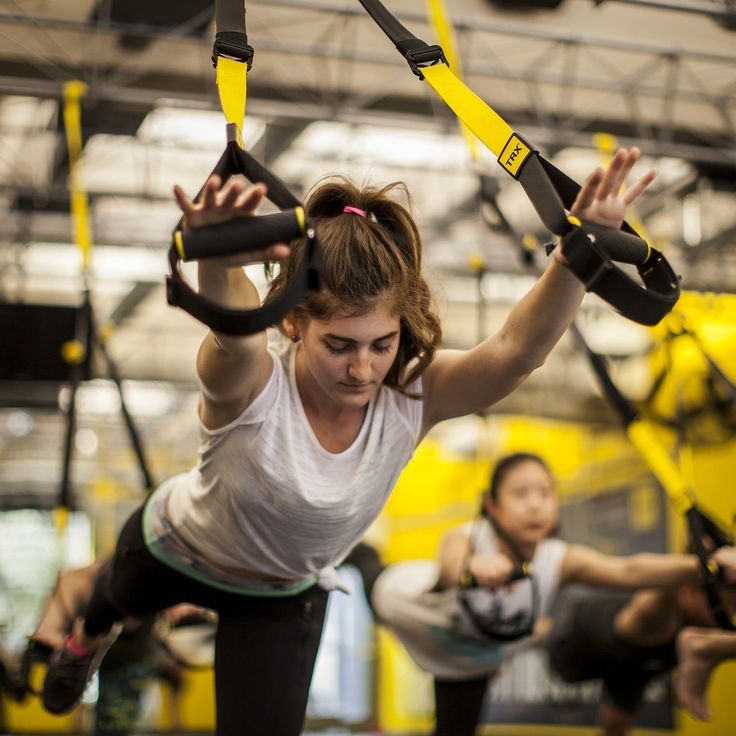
point(364, 261)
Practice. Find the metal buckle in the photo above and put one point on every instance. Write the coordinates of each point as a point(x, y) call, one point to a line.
point(232, 50)
point(424, 57)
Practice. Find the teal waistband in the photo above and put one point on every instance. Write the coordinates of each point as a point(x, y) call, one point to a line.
point(171, 560)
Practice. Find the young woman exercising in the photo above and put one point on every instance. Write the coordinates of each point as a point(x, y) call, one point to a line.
point(301, 446)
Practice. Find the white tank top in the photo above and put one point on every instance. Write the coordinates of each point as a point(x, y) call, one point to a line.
point(437, 631)
point(266, 497)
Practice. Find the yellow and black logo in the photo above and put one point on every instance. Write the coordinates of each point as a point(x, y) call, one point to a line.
point(514, 154)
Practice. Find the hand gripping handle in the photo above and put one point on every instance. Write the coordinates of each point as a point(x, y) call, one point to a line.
point(240, 235)
point(519, 572)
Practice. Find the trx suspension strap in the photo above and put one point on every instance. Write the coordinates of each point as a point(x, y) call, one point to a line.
point(719, 400)
point(487, 622)
point(591, 250)
point(705, 534)
point(233, 57)
point(723, 403)
point(78, 352)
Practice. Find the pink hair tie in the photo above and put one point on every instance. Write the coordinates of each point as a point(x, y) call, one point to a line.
point(353, 210)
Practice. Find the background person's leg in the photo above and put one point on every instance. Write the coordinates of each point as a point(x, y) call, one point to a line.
point(67, 600)
point(457, 705)
point(699, 652)
point(264, 659)
point(613, 720)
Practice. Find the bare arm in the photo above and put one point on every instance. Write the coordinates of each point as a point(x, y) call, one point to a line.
point(453, 551)
point(489, 570)
point(585, 565)
point(232, 370)
point(461, 382)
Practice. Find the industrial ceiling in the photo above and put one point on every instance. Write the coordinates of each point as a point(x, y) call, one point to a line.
point(328, 94)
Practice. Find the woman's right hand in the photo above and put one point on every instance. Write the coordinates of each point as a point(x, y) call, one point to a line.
point(491, 571)
point(220, 203)
point(726, 559)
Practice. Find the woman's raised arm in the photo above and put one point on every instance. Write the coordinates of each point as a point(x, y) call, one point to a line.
point(232, 370)
point(463, 382)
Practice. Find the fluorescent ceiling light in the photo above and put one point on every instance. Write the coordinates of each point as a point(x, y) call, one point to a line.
point(27, 157)
point(125, 165)
point(133, 220)
point(142, 398)
point(434, 166)
point(107, 262)
point(26, 113)
point(398, 147)
point(200, 128)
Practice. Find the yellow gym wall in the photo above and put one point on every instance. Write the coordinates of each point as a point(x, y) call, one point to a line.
point(440, 489)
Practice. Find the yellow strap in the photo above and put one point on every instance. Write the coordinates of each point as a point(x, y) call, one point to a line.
point(301, 217)
point(61, 527)
point(446, 39)
point(233, 89)
point(661, 464)
point(487, 125)
point(179, 243)
point(73, 93)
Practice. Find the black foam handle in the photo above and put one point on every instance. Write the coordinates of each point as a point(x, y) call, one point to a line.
point(519, 572)
point(619, 245)
point(241, 235)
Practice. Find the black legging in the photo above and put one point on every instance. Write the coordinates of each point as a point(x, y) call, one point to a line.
point(457, 702)
point(457, 705)
point(265, 647)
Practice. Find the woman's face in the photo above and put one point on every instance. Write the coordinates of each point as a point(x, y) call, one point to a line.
point(526, 504)
point(345, 359)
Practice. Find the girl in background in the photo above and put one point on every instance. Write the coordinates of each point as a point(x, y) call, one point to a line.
point(462, 616)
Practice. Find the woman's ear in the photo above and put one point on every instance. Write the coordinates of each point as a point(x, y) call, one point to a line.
point(290, 327)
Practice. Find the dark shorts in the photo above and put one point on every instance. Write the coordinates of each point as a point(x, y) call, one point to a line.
point(583, 645)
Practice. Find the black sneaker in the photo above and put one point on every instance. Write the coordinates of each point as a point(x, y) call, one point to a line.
point(66, 679)
point(69, 673)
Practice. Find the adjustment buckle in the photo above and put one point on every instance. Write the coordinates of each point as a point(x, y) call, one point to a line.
point(424, 57)
point(232, 49)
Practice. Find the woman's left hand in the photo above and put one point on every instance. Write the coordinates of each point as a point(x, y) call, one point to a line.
point(602, 198)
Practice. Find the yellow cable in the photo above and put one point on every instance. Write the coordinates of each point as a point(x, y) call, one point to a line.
point(73, 93)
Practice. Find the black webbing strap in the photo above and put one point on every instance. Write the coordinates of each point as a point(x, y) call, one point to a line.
point(522, 569)
point(706, 536)
point(231, 49)
point(231, 38)
point(235, 160)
